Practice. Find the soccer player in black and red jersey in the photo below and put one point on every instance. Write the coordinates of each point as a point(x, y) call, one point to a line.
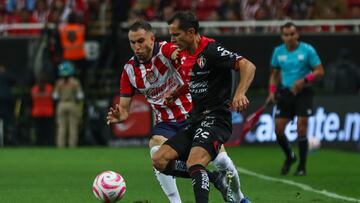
point(210, 125)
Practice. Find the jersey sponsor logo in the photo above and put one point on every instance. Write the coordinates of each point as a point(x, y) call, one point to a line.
point(150, 76)
point(282, 57)
point(225, 52)
point(301, 57)
point(158, 92)
point(201, 61)
point(199, 87)
point(207, 124)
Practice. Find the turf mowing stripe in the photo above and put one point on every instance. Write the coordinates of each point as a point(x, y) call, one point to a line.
point(296, 184)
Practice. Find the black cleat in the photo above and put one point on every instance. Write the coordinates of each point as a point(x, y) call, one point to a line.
point(287, 164)
point(222, 183)
point(300, 172)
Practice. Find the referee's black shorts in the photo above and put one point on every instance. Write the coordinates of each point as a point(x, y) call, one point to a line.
point(209, 132)
point(290, 105)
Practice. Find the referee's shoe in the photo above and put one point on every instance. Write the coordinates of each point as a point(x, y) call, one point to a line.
point(287, 164)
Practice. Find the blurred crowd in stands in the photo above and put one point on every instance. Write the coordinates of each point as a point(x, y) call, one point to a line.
point(97, 13)
point(89, 12)
point(237, 10)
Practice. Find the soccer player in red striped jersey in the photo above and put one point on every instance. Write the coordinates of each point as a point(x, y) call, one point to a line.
point(153, 71)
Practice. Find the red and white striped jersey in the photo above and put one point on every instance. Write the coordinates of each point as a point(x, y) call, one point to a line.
point(156, 80)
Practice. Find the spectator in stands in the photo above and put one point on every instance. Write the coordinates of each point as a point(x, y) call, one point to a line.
point(72, 38)
point(262, 13)
point(300, 9)
point(68, 92)
point(41, 12)
point(248, 9)
point(43, 111)
point(324, 8)
point(16, 5)
point(7, 103)
point(227, 5)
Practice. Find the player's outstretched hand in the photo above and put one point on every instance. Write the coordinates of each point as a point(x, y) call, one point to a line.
point(116, 115)
point(240, 103)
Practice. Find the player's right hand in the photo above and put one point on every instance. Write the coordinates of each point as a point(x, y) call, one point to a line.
point(116, 115)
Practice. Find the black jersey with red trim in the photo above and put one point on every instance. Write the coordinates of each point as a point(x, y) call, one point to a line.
point(210, 76)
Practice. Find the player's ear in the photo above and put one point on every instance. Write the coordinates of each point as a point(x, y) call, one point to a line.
point(152, 37)
point(191, 31)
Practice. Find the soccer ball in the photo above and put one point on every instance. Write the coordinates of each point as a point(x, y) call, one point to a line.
point(314, 144)
point(109, 187)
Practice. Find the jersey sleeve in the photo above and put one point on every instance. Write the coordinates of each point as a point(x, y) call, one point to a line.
point(222, 57)
point(126, 89)
point(167, 49)
point(274, 63)
point(314, 59)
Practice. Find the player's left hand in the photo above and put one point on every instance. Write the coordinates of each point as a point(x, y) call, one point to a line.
point(240, 103)
point(299, 84)
point(175, 56)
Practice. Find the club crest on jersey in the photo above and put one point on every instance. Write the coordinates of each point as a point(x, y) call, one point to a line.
point(201, 61)
point(150, 76)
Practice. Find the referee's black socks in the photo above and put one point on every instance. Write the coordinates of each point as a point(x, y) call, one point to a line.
point(303, 149)
point(285, 145)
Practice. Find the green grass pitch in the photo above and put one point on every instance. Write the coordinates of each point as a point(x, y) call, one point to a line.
point(29, 175)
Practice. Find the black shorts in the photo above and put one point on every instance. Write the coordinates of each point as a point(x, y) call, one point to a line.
point(290, 105)
point(209, 132)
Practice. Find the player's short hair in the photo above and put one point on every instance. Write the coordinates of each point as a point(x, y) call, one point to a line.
point(287, 25)
point(140, 25)
point(186, 20)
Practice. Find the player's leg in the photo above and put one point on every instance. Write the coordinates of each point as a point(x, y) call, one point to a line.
point(209, 135)
point(284, 112)
point(167, 183)
point(223, 162)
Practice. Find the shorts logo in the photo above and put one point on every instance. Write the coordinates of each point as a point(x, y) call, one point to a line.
point(150, 76)
point(201, 61)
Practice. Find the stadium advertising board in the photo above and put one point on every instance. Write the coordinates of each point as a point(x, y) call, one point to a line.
point(335, 120)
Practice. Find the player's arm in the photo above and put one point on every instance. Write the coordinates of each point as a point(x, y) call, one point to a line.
point(273, 82)
point(247, 72)
point(120, 112)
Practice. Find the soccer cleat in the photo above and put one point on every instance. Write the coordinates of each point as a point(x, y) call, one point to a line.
point(245, 200)
point(300, 172)
point(287, 164)
point(222, 183)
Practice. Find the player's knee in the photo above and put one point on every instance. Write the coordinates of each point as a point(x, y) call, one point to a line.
point(159, 162)
point(156, 140)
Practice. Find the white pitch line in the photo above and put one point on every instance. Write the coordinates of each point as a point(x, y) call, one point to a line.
point(300, 185)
